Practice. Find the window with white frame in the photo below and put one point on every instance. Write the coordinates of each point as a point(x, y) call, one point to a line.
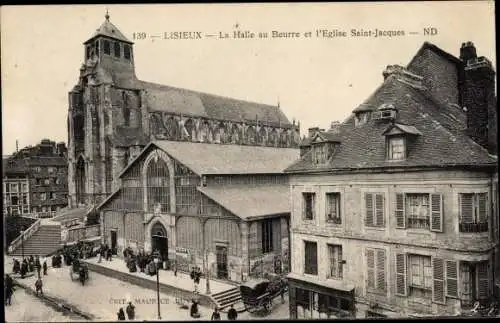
point(474, 212)
point(308, 200)
point(396, 148)
point(333, 208)
point(420, 276)
point(418, 210)
point(43, 196)
point(335, 261)
point(25, 187)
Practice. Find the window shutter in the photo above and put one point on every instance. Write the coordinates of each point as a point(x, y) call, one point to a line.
point(401, 289)
point(381, 285)
point(399, 207)
point(379, 209)
point(466, 208)
point(436, 212)
point(483, 280)
point(438, 293)
point(369, 209)
point(451, 278)
point(483, 215)
point(370, 265)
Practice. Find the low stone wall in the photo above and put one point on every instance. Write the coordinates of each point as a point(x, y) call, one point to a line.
point(144, 282)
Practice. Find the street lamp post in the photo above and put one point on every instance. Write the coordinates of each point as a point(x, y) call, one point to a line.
point(22, 243)
point(156, 260)
point(207, 273)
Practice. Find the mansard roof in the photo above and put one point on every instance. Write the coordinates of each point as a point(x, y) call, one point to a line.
point(443, 141)
point(107, 29)
point(222, 159)
point(251, 202)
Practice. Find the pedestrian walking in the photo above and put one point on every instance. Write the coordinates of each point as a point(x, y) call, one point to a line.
point(39, 286)
point(24, 268)
point(38, 267)
point(121, 315)
point(17, 267)
point(194, 309)
point(130, 311)
point(9, 289)
point(45, 267)
point(216, 315)
point(232, 314)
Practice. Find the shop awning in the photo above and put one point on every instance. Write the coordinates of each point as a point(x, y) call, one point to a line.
point(328, 283)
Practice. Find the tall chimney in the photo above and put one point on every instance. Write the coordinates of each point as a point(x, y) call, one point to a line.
point(17, 146)
point(478, 97)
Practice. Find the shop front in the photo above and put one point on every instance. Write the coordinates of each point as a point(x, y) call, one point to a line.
point(319, 300)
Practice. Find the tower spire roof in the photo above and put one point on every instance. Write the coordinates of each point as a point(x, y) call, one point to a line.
point(109, 30)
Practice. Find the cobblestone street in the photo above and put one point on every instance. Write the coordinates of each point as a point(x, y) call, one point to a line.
point(102, 296)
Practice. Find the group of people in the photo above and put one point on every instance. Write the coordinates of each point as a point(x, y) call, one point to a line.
point(130, 309)
point(232, 314)
point(29, 264)
point(144, 261)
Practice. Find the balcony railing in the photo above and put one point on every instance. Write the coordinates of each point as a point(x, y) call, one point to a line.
point(474, 227)
point(418, 223)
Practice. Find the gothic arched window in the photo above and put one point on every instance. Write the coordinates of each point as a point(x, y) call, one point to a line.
point(126, 51)
point(273, 137)
point(117, 49)
point(189, 130)
point(205, 132)
point(78, 127)
point(106, 47)
point(235, 134)
point(250, 135)
point(154, 126)
point(262, 136)
point(220, 135)
point(172, 129)
point(158, 185)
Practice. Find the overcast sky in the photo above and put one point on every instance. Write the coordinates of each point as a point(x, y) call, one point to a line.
point(316, 80)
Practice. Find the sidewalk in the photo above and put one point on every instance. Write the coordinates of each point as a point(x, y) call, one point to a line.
point(167, 277)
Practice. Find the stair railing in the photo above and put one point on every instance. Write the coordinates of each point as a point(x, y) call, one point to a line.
point(25, 235)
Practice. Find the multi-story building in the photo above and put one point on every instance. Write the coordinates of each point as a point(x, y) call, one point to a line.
point(16, 188)
point(44, 169)
point(112, 116)
point(395, 210)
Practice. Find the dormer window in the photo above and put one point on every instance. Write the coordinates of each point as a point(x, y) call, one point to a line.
point(398, 137)
point(323, 147)
point(385, 112)
point(396, 148)
point(361, 118)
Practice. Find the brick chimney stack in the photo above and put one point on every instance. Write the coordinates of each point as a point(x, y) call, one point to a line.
point(478, 97)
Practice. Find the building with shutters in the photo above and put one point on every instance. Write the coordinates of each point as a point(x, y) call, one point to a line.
point(35, 179)
point(395, 210)
point(112, 115)
point(199, 204)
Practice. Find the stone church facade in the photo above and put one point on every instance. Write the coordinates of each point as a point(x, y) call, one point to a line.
point(112, 115)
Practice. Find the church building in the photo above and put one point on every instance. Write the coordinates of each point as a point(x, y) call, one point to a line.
point(196, 176)
point(112, 115)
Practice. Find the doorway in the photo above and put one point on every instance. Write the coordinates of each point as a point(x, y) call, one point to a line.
point(221, 255)
point(114, 241)
point(159, 240)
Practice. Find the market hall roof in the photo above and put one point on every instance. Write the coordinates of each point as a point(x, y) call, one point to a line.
point(221, 159)
point(250, 202)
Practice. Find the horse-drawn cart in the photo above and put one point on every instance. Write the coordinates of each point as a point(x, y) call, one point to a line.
point(258, 294)
point(79, 271)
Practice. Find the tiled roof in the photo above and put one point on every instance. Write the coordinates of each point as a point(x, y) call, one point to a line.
point(171, 99)
point(211, 159)
point(127, 136)
point(109, 30)
point(249, 202)
point(404, 128)
point(46, 161)
point(326, 136)
point(441, 143)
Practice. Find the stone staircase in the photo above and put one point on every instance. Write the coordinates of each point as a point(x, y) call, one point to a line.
point(229, 297)
point(45, 241)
